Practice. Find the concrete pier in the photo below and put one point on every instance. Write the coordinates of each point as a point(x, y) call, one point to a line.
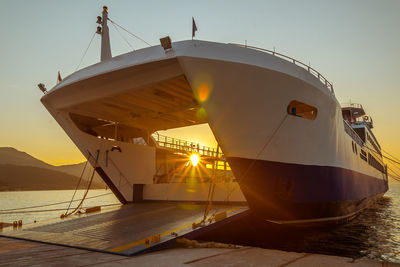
point(17, 252)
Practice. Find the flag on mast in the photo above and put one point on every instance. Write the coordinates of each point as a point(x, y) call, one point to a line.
point(59, 79)
point(194, 28)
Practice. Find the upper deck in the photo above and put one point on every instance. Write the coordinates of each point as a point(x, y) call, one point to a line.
point(352, 111)
point(355, 115)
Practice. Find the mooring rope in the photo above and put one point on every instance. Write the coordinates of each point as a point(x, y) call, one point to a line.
point(397, 178)
point(66, 214)
point(383, 156)
point(76, 188)
point(264, 147)
point(390, 155)
point(396, 165)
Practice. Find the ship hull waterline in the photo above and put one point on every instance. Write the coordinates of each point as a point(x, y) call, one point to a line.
point(297, 194)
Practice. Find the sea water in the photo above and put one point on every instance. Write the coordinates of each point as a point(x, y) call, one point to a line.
point(12, 203)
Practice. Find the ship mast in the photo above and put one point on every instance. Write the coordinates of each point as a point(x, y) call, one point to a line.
point(105, 36)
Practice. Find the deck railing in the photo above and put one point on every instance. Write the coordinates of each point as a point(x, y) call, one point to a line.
point(123, 180)
point(186, 146)
point(351, 105)
point(350, 131)
point(310, 70)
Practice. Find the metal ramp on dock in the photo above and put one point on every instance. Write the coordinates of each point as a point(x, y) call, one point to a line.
point(132, 229)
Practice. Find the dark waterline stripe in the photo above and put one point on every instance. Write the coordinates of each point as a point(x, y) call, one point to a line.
point(284, 191)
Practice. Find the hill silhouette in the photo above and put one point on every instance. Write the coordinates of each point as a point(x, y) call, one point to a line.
point(12, 156)
point(21, 171)
point(13, 177)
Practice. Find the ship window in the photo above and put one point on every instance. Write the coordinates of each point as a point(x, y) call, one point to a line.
point(375, 163)
point(299, 109)
point(363, 155)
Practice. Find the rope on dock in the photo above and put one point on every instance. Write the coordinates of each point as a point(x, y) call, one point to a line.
point(76, 188)
point(66, 214)
point(195, 244)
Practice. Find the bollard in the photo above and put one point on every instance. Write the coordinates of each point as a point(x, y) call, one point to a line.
point(93, 209)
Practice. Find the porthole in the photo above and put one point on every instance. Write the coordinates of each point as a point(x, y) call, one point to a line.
point(299, 109)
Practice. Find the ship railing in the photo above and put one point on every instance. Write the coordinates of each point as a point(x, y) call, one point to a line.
point(351, 105)
point(184, 146)
point(123, 180)
point(350, 131)
point(310, 70)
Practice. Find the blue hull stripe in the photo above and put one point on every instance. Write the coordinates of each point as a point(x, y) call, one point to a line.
point(287, 191)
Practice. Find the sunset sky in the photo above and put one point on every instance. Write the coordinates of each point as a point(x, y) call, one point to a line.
point(354, 44)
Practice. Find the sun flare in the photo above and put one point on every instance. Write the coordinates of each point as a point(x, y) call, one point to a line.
point(194, 158)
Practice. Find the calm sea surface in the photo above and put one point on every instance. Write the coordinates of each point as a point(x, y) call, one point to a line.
point(21, 199)
point(374, 234)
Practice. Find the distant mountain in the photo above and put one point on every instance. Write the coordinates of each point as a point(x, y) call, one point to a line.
point(10, 157)
point(76, 170)
point(14, 177)
point(73, 169)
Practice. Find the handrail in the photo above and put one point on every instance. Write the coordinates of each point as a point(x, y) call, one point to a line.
point(120, 174)
point(186, 146)
point(369, 131)
point(116, 168)
point(350, 131)
point(310, 70)
point(351, 105)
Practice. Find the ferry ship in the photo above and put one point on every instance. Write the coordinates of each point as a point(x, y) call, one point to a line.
point(296, 153)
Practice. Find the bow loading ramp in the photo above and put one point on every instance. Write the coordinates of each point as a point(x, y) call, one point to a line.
point(150, 224)
point(132, 229)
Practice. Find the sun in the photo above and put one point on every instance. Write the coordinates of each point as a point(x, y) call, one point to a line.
point(194, 158)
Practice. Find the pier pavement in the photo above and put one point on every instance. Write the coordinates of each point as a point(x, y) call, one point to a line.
point(16, 252)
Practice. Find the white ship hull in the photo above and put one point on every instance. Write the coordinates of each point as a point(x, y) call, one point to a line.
point(289, 168)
